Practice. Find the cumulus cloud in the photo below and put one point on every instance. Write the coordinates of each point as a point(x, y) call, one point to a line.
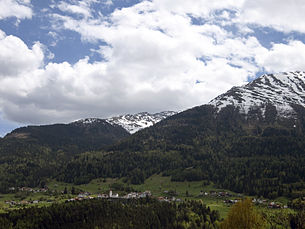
point(283, 57)
point(159, 78)
point(16, 57)
point(13, 8)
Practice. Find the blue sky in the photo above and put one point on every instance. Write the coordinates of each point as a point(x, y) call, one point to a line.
point(65, 60)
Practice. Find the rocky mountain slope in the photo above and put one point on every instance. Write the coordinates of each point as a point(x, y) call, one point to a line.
point(136, 122)
point(281, 90)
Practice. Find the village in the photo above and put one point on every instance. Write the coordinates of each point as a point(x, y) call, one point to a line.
point(111, 195)
point(83, 196)
point(169, 196)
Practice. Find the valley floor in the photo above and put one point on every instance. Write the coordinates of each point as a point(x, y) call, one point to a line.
point(158, 186)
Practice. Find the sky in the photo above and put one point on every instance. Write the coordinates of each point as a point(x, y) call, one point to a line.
point(65, 60)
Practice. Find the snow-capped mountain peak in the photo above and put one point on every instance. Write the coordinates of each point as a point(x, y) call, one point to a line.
point(136, 122)
point(88, 121)
point(281, 90)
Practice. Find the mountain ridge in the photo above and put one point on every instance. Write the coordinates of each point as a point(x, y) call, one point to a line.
point(282, 90)
point(78, 136)
point(139, 121)
point(130, 122)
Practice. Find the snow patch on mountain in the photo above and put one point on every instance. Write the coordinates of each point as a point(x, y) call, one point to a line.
point(136, 122)
point(281, 90)
point(88, 121)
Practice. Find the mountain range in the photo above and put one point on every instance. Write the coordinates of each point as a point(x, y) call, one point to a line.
point(250, 139)
point(87, 134)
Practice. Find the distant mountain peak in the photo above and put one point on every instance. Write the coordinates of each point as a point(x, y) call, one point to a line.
point(281, 90)
point(130, 122)
point(88, 121)
point(135, 122)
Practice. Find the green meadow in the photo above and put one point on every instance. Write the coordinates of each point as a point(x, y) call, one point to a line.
point(160, 186)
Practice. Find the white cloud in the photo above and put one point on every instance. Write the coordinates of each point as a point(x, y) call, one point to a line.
point(16, 58)
point(283, 15)
point(283, 57)
point(81, 8)
point(196, 8)
point(108, 2)
point(63, 92)
point(13, 8)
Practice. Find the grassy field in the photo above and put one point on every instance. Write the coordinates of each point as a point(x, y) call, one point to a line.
point(157, 184)
point(95, 186)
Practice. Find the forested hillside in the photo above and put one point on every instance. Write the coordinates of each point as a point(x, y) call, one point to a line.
point(256, 155)
point(79, 136)
point(30, 155)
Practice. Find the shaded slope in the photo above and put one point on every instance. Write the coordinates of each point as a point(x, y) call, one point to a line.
point(77, 136)
point(30, 155)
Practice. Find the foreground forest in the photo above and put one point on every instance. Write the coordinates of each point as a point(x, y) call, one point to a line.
point(143, 213)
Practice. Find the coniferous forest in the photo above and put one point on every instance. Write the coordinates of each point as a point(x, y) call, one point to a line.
point(143, 213)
